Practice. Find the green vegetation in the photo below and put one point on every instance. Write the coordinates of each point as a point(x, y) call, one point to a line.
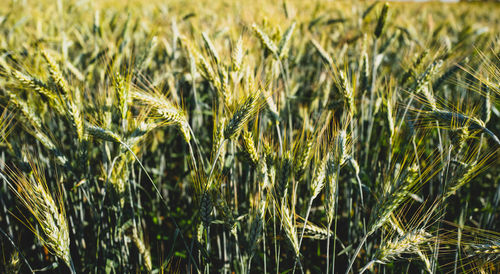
point(249, 137)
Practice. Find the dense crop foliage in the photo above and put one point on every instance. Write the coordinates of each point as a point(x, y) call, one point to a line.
point(249, 137)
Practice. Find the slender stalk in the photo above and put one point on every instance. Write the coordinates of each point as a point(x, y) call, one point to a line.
point(328, 249)
point(368, 265)
point(71, 266)
point(216, 158)
point(335, 217)
point(303, 230)
point(351, 261)
point(372, 99)
point(279, 139)
point(15, 246)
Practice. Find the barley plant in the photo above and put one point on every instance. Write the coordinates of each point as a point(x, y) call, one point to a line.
point(249, 137)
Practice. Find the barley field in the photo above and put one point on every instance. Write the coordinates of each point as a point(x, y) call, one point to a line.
point(249, 137)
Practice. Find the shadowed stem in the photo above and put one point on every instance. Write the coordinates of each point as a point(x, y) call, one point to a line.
point(302, 233)
point(351, 262)
point(14, 245)
point(279, 138)
point(71, 266)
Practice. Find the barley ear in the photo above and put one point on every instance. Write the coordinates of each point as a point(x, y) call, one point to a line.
point(283, 46)
point(56, 73)
point(35, 196)
point(381, 20)
point(245, 111)
point(237, 56)
point(210, 47)
point(265, 40)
